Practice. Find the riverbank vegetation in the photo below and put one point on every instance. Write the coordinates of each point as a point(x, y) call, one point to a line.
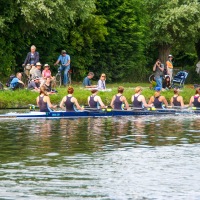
point(22, 98)
point(120, 38)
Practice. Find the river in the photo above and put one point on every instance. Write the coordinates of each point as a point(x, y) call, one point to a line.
point(139, 158)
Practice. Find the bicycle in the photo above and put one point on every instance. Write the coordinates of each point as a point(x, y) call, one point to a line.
point(1, 86)
point(59, 78)
point(26, 76)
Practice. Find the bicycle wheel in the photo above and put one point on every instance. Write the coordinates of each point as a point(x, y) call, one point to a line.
point(151, 78)
point(69, 78)
point(1, 86)
point(58, 79)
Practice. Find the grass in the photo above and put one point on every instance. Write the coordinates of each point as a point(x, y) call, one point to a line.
point(22, 98)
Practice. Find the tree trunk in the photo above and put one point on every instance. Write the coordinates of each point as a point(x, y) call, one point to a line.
point(164, 51)
point(197, 47)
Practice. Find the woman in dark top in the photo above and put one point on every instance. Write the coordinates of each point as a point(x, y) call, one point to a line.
point(69, 101)
point(119, 99)
point(167, 83)
point(177, 100)
point(195, 100)
point(43, 101)
point(157, 100)
point(138, 99)
point(94, 101)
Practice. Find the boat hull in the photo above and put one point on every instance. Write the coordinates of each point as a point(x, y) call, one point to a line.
point(86, 114)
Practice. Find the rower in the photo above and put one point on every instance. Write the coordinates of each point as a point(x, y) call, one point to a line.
point(195, 100)
point(119, 99)
point(69, 101)
point(138, 99)
point(177, 100)
point(157, 99)
point(43, 101)
point(95, 101)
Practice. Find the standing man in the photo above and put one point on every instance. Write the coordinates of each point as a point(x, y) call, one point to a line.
point(32, 57)
point(169, 65)
point(158, 68)
point(64, 60)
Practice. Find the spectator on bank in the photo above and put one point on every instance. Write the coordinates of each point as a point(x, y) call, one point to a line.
point(32, 57)
point(169, 65)
point(158, 69)
point(167, 83)
point(64, 60)
point(37, 71)
point(102, 82)
point(16, 82)
point(34, 84)
point(49, 86)
point(46, 72)
point(87, 81)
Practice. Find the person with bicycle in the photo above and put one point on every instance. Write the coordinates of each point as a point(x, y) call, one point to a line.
point(158, 69)
point(32, 57)
point(64, 60)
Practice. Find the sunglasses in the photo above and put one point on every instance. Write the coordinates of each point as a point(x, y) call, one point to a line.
point(103, 76)
point(63, 53)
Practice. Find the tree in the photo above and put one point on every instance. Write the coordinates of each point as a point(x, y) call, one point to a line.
point(121, 56)
point(173, 23)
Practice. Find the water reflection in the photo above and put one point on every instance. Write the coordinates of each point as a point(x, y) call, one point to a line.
point(100, 158)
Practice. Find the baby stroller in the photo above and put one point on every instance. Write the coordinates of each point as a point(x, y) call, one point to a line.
point(179, 79)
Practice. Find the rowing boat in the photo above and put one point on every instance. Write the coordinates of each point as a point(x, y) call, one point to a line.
point(97, 113)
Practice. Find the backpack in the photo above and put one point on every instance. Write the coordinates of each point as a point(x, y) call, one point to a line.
point(9, 80)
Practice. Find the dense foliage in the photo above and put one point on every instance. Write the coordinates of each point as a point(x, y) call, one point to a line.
point(120, 38)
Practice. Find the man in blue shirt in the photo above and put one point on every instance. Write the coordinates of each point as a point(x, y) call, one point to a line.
point(64, 60)
point(16, 82)
point(87, 81)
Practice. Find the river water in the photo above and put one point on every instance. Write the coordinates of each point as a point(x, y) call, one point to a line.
point(141, 158)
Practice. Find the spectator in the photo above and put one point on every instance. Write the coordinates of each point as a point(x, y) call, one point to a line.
point(32, 57)
point(169, 65)
point(167, 83)
point(87, 81)
point(46, 72)
point(34, 84)
point(158, 68)
point(64, 59)
point(37, 71)
point(102, 82)
point(16, 82)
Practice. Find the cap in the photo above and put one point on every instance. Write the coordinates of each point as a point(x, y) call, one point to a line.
point(158, 88)
point(38, 64)
point(36, 78)
point(63, 51)
point(46, 65)
point(170, 56)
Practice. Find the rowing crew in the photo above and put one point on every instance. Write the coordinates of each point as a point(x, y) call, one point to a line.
point(118, 102)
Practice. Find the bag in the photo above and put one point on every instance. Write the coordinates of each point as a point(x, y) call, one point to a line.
point(9, 80)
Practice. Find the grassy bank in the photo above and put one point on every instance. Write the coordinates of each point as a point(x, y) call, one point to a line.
point(22, 98)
